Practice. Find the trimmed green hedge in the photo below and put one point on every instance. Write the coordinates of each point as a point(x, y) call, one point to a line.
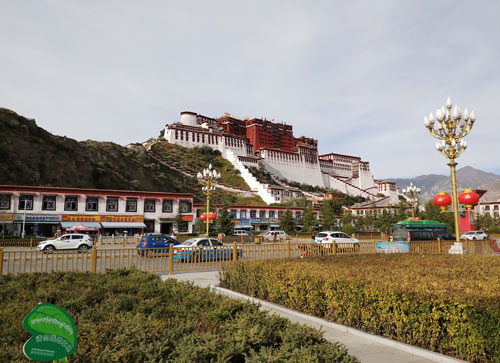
point(444, 303)
point(131, 316)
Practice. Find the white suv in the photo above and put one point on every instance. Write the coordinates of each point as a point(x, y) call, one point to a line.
point(337, 236)
point(271, 236)
point(474, 235)
point(73, 241)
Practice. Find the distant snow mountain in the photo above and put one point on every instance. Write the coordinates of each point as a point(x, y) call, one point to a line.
point(467, 178)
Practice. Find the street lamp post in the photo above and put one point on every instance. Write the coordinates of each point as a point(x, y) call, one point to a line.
point(208, 178)
point(450, 130)
point(412, 194)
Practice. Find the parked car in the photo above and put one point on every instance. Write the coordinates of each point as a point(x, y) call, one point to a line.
point(241, 232)
point(203, 249)
point(155, 243)
point(73, 241)
point(422, 235)
point(474, 235)
point(272, 236)
point(337, 236)
point(444, 235)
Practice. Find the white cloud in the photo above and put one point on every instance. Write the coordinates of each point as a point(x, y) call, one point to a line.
point(359, 76)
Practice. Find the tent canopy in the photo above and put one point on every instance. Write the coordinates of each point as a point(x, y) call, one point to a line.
point(80, 228)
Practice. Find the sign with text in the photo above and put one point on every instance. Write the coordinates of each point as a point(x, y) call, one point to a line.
point(392, 247)
point(54, 333)
point(6, 217)
point(30, 218)
point(95, 218)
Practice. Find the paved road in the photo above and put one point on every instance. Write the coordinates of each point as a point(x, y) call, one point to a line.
point(366, 347)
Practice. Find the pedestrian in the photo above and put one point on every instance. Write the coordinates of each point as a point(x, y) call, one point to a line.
point(173, 235)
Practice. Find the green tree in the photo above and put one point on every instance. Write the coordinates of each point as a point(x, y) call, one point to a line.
point(180, 223)
point(287, 222)
point(327, 218)
point(225, 223)
point(309, 223)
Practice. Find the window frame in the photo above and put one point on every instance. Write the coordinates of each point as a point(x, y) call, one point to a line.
point(167, 205)
point(72, 199)
point(112, 199)
point(148, 202)
point(45, 201)
point(91, 199)
point(131, 205)
point(5, 198)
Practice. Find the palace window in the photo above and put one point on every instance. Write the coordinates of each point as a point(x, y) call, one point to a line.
point(185, 206)
point(150, 205)
point(4, 201)
point(271, 214)
point(112, 204)
point(131, 205)
point(92, 204)
point(262, 214)
point(253, 214)
point(243, 214)
point(71, 203)
point(49, 202)
point(167, 206)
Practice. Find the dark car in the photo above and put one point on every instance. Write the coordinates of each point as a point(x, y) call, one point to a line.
point(155, 244)
point(445, 235)
point(421, 235)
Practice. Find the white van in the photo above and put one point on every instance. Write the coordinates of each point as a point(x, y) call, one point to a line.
point(240, 232)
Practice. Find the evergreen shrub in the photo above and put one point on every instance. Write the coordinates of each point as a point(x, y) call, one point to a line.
point(131, 316)
point(444, 303)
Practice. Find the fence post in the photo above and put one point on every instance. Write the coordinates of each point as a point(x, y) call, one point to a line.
point(171, 259)
point(1, 261)
point(241, 239)
point(467, 244)
point(288, 254)
point(93, 262)
point(31, 243)
point(334, 247)
point(439, 245)
point(235, 252)
point(374, 246)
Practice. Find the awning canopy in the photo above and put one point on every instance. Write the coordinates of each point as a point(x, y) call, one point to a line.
point(80, 228)
point(92, 225)
point(275, 225)
point(123, 225)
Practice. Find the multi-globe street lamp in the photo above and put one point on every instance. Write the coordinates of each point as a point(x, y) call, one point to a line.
point(412, 194)
point(208, 178)
point(450, 127)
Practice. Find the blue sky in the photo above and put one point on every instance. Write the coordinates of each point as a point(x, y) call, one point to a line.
point(359, 76)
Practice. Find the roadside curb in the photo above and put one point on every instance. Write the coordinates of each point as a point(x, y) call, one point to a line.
point(420, 352)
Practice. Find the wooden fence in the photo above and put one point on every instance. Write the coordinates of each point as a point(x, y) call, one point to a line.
point(100, 259)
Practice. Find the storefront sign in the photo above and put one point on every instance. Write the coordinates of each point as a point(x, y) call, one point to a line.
point(91, 218)
point(187, 218)
point(392, 247)
point(33, 218)
point(6, 217)
point(54, 333)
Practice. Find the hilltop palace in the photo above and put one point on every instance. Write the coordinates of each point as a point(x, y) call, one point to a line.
point(272, 146)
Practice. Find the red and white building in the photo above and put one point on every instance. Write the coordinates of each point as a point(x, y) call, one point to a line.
point(272, 146)
point(45, 210)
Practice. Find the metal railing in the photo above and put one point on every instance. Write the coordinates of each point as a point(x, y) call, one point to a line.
point(100, 259)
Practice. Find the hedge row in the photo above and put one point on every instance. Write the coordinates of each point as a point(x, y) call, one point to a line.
point(131, 316)
point(444, 303)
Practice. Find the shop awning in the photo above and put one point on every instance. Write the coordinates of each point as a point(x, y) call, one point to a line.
point(123, 225)
point(275, 225)
point(91, 225)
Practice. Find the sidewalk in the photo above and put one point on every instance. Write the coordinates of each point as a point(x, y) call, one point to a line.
point(366, 347)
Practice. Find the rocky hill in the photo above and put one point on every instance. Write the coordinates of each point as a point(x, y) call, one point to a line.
point(29, 155)
point(467, 178)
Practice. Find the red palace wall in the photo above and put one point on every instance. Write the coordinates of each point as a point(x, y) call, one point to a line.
point(267, 134)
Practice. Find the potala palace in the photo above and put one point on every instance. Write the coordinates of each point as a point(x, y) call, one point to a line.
point(272, 146)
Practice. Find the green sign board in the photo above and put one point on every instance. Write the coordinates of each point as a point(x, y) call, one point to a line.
point(54, 333)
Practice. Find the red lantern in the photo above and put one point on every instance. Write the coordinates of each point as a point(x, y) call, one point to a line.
point(203, 217)
point(442, 200)
point(469, 198)
point(212, 216)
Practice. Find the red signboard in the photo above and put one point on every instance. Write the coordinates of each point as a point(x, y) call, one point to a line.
point(94, 218)
point(188, 218)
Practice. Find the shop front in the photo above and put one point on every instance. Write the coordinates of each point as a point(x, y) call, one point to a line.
point(38, 225)
point(6, 225)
